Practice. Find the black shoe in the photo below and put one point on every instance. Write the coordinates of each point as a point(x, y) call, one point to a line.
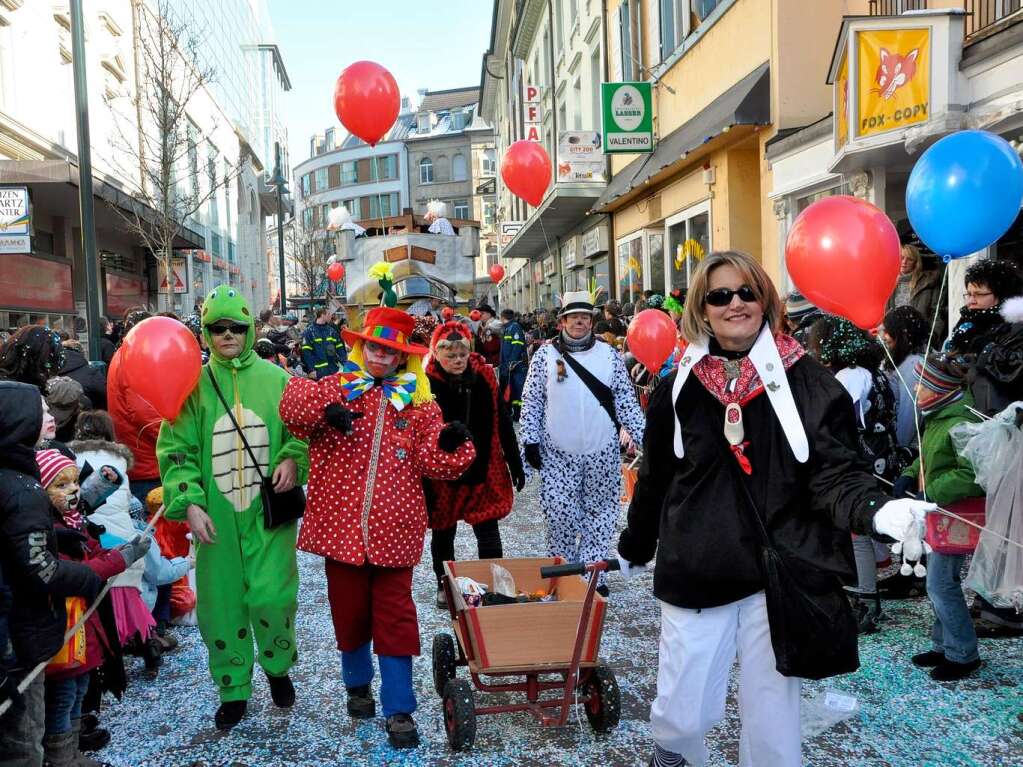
point(402, 732)
point(988, 630)
point(360, 703)
point(92, 737)
point(604, 591)
point(281, 690)
point(950, 671)
point(928, 659)
point(151, 652)
point(900, 586)
point(867, 611)
point(230, 713)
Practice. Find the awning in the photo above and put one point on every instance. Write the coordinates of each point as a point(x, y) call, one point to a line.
point(564, 209)
point(66, 172)
point(748, 102)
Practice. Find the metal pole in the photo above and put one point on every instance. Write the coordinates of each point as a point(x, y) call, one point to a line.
point(279, 178)
point(85, 201)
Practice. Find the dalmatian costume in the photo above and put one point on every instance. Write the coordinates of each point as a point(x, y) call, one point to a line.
point(581, 473)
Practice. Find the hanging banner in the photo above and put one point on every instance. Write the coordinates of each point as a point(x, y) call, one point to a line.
point(628, 117)
point(893, 79)
point(15, 220)
point(177, 279)
point(580, 157)
point(842, 104)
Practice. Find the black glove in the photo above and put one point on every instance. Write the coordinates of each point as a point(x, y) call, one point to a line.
point(518, 476)
point(532, 452)
point(94, 529)
point(70, 542)
point(903, 487)
point(452, 436)
point(340, 417)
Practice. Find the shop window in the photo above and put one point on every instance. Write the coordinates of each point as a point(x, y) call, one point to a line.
point(630, 268)
point(655, 261)
point(688, 240)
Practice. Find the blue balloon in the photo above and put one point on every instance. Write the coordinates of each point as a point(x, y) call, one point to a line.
point(964, 192)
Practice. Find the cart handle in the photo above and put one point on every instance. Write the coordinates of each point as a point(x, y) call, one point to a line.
point(579, 568)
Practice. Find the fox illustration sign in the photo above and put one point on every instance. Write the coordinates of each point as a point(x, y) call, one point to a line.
point(894, 79)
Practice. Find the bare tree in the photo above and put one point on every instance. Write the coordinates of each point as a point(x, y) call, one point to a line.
point(306, 262)
point(159, 149)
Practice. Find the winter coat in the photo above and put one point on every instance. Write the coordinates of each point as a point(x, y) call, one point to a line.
point(924, 298)
point(948, 477)
point(136, 422)
point(366, 499)
point(92, 379)
point(488, 343)
point(323, 351)
point(114, 515)
point(159, 570)
point(38, 579)
point(484, 491)
point(905, 429)
point(513, 347)
point(694, 512)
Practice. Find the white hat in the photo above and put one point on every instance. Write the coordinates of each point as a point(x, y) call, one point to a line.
point(576, 301)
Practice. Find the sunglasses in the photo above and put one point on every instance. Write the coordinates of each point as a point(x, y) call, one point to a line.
point(723, 296)
point(236, 329)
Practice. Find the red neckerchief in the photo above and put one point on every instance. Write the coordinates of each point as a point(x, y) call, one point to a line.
point(711, 373)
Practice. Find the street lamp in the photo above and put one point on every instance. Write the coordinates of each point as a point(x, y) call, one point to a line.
point(279, 181)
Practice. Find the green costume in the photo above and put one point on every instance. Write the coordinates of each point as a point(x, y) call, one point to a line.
point(247, 580)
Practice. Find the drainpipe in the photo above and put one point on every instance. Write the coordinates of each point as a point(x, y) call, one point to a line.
point(554, 119)
point(612, 277)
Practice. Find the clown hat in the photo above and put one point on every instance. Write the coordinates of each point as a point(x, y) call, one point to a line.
point(576, 301)
point(387, 327)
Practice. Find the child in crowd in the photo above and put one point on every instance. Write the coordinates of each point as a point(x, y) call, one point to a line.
point(160, 570)
point(176, 598)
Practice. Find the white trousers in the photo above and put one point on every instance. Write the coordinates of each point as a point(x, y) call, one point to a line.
point(697, 650)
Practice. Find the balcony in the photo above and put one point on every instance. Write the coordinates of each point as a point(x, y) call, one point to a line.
point(983, 17)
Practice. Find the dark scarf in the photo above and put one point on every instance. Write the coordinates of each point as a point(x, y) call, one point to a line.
point(970, 333)
point(573, 346)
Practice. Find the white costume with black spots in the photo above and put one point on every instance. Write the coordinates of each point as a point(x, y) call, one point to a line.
point(581, 477)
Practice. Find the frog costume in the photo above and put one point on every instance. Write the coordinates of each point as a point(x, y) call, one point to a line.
point(247, 580)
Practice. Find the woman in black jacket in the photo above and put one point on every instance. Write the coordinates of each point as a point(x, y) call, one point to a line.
point(38, 579)
point(748, 427)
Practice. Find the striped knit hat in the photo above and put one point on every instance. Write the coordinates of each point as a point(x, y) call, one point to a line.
point(51, 463)
point(941, 376)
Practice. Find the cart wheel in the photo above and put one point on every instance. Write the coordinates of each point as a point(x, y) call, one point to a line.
point(443, 661)
point(459, 715)
point(603, 702)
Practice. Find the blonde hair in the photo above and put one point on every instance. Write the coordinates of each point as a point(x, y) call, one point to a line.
point(414, 364)
point(695, 328)
point(918, 268)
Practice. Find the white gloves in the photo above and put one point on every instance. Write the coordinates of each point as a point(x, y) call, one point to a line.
point(628, 569)
point(903, 520)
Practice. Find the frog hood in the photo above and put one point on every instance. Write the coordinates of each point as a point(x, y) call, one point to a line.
point(227, 303)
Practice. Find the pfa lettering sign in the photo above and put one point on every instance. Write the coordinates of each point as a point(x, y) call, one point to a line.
point(15, 220)
point(893, 79)
point(628, 117)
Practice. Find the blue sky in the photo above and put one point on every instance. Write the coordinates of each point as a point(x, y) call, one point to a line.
point(435, 44)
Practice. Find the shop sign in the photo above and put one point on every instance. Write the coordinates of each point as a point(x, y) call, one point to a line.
point(533, 111)
point(593, 241)
point(628, 117)
point(35, 284)
point(842, 104)
point(202, 255)
point(893, 79)
point(549, 266)
point(580, 157)
point(177, 278)
point(537, 272)
point(508, 230)
point(568, 254)
point(15, 220)
point(219, 263)
point(124, 291)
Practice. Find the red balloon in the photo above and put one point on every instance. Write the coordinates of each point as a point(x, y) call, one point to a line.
point(652, 338)
point(526, 170)
point(366, 100)
point(843, 255)
point(496, 272)
point(448, 313)
point(474, 315)
point(335, 272)
point(160, 362)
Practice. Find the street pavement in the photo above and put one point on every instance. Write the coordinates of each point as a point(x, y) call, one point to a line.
point(905, 719)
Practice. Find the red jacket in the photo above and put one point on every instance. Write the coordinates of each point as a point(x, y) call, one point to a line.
point(136, 422)
point(360, 509)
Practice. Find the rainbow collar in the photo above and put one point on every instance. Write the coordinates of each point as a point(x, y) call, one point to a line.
point(398, 389)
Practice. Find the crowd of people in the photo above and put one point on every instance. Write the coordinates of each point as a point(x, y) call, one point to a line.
point(416, 420)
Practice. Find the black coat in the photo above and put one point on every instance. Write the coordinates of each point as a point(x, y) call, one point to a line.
point(694, 511)
point(28, 547)
point(93, 380)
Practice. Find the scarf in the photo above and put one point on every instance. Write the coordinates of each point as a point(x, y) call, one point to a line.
point(575, 345)
point(398, 388)
point(973, 326)
point(712, 374)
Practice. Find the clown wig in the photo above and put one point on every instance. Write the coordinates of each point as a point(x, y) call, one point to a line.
point(414, 364)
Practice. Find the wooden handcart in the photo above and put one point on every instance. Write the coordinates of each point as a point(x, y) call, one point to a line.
point(520, 643)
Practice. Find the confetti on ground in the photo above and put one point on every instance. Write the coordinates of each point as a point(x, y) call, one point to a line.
point(905, 718)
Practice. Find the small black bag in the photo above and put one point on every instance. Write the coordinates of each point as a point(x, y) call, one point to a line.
point(278, 508)
point(813, 630)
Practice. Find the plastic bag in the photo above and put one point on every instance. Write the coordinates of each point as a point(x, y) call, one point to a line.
point(824, 710)
point(502, 581)
point(990, 446)
point(472, 592)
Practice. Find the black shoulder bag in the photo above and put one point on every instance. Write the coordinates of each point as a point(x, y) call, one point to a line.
point(278, 508)
point(597, 388)
point(813, 631)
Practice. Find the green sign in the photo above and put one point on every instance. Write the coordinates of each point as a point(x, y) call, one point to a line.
point(628, 117)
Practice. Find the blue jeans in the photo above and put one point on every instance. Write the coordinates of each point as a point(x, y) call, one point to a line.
point(64, 703)
point(397, 695)
point(953, 632)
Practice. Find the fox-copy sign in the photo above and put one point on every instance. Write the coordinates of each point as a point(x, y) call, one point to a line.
point(628, 117)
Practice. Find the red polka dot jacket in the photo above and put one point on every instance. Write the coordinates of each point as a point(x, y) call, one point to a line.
point(366, 499)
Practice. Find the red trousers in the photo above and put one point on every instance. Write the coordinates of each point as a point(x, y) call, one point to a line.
point(369, 602)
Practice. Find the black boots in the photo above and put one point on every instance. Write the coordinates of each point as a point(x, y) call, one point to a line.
point(360, 702)
point(281, 690)
point(230, 713)
point(402, 732)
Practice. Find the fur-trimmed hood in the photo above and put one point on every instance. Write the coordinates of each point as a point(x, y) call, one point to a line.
point(1012, 309)
point(101, 445)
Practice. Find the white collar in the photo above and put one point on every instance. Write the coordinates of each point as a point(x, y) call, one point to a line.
point(767, 362)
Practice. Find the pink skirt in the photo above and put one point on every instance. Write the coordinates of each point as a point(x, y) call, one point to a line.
point(130, 613)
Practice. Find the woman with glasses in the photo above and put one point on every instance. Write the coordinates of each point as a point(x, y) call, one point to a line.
point(246, 574)
point(988, 284)
point(750, 445)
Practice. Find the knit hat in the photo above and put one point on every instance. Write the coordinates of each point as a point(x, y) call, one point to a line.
point(63, 395)
point(51, 463)
point(939, 374)
point(154, 500)
point(797, 307)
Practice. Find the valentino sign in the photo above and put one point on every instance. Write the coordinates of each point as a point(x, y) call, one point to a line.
point(628, 117)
